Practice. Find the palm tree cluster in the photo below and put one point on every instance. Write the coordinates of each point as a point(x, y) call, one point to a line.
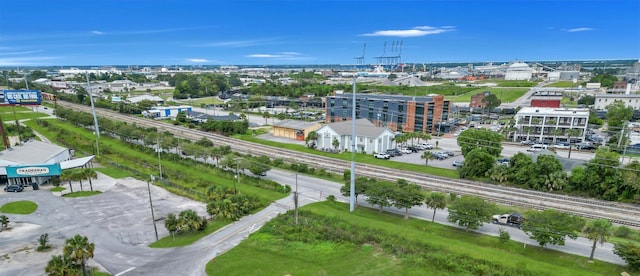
point(73, 261)
point(79, 175)
point(229, 205)
point(411, 137)
point(187, 221)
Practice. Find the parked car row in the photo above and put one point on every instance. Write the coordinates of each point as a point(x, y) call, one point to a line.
point(442, 155)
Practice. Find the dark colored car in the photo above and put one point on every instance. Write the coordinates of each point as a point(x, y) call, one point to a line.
point(413, 148)
point(13, 188)
point(394, 152)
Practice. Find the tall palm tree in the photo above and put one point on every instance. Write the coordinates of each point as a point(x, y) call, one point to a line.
point(598, 231)
point(574, 132)
point(89, 174)
point(427, 155)
point(436, 201)
point(79, 249)
point(67, 176)
point(171, 223)
point(555, 133)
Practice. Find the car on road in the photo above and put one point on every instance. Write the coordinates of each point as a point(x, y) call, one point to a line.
point(458, 163)
point(526, 143)
point(381, 156)
point(561, 146)
point(13, 188)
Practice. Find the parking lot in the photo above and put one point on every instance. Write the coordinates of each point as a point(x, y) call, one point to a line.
point(117, 221)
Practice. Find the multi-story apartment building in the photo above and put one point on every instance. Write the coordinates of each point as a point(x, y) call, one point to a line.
point(551, 125)
point(398, 113)
point(603, 100)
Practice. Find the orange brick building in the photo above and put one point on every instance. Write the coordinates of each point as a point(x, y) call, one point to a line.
point(398, 113)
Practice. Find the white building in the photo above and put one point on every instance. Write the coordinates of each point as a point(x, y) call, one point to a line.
point(165, 112)
point(518, 71)
point(603, 100)
point(369, 138)
point(550, 125)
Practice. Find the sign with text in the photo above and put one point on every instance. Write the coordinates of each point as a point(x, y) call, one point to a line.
point(25, 97)
point(33, 170)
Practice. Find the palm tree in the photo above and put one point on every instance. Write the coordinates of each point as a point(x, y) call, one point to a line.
point(266, 116)
point(555, 133)
point(574, 132)
point(4, 222)
point(171, 223)
point(598, 231)
point(89, 174)
point(61, 265)
point(67, 176)
point(427, 155)
point(436, 201)
point(79, 250)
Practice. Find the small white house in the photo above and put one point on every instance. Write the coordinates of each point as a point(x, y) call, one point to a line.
point(369, 138)
point(165, 112)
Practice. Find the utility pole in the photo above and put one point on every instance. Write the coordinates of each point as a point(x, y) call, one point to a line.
point(295, 200)
point(352, 186)
point(159, 149)
point(235, 188)
point(153, 218)
point(95, 119)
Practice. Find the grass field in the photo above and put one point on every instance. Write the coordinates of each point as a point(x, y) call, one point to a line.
point(188, 238)
point(566, 84)
point(21, 207)
point(429, 249)
point(113, 172)
point(510, 83)
point(82, 194)
point(507, 95)
point(204, 101)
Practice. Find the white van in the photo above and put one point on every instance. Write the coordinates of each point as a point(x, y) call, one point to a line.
point(537, 147)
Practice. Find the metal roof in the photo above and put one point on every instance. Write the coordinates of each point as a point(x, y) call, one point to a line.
point(32, 152)
point(295, 124)
point(75, 163)
point(363, 128)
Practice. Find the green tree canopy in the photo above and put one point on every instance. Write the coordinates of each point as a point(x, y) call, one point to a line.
point(435, 201)
point(405, 197)
point(470, 211)
point(617, 114)
point(551, 226)
point(477, 163)
point(491, 101)
point(474, 138)
point(598, 230)
point(630, 253)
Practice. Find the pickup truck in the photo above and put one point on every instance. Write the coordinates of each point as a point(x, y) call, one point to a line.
point(381, 156)
point(509, 219)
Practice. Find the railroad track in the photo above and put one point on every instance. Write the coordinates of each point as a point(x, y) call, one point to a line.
point(620, 213)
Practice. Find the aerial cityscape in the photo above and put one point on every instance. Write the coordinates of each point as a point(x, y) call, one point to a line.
point(320, 137)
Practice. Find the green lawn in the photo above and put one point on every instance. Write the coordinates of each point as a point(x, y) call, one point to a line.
point(432, 247)
point(205, 101)
point(82, 194)
point(58, 189)
point(114, 173)
point(183, 239)
point(507, 95)
point(9, 116)
point(565, 84)
point(21, 207)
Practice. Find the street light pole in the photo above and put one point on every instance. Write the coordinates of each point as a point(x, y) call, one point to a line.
point(95, 119)
point(235, 188)
point(153, 218)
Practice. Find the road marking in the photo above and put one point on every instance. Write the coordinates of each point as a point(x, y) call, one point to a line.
point(125, 271)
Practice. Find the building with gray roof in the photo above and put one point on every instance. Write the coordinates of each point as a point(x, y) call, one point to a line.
point(369, 138)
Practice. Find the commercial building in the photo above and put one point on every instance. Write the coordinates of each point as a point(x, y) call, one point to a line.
point(550, 125)
point(518, 71)
point(369, 138)
point(603, 100)
point(34, 162)
point(477, 100)
point(398, 113)
point(293, 129)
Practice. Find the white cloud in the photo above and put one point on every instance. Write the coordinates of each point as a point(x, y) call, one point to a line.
point(19, 53)
point(583, 29)
point(198, 60)
point(22, 61)
point(97, 32)
point(281, 56)
point(413, 32)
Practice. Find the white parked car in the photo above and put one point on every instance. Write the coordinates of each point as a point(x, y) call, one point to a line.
point(405, 151)
point(382, 156)
point(426, 146)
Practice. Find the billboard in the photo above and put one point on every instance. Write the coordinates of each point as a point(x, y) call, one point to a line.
point(25, 97)
point(33, 170)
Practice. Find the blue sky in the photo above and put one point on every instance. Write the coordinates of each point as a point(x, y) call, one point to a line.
point(171, 32)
